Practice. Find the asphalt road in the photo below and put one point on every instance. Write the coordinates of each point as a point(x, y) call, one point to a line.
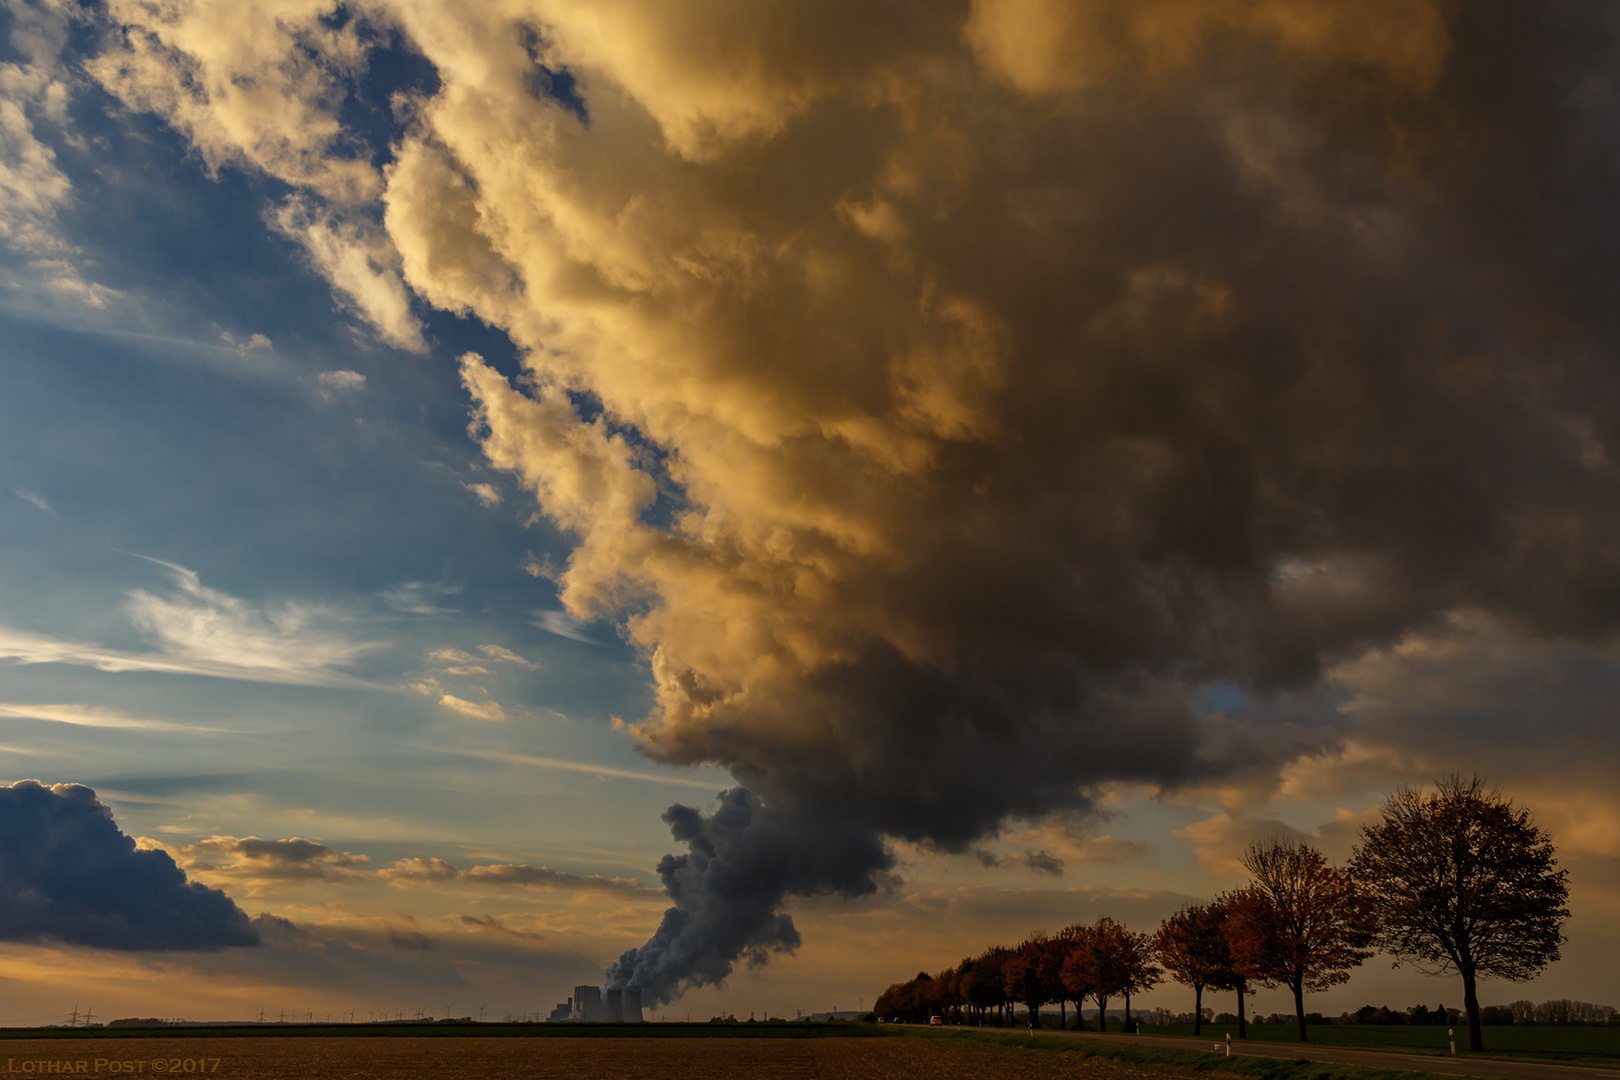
point(1459, 1066)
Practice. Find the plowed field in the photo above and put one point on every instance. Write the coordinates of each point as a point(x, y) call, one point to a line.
point(544, 1059)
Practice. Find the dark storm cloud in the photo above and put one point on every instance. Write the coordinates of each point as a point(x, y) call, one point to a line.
point(967, 400)
point(68, 874)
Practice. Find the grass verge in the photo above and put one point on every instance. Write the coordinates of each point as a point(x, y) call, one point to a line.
point(1196, 1061)
point(1596, 1047)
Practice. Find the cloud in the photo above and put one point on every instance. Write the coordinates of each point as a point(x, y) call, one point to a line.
point(587, 767)
point(35, 90)
point(1220, 841)
point(1480, 694)
point(506, 656)
point(563, 625)
point(99, 716)
point(68, 874)
point(260, 865)
point(1051, 848)
point(971, 389)
point(436, 871)
point(360, 264)
point(456, 664)
point(419, 597)
point(1040, 862)
point(485, 493)
point(342, 381)
point(38, 501)
point(475, 710)
point(259, 90)
point(201, 631)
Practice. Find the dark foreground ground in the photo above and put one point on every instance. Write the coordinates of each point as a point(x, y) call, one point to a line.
point(481, 1058)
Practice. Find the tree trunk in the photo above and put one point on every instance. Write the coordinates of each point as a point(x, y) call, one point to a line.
point(1299, 1004)
point(1476, 1038)
point(1128, 1027)
point(1243, 1019)
point(1198, 1009)
point(1102, 1012)
point(1034, 1015)
point(1063, 1015)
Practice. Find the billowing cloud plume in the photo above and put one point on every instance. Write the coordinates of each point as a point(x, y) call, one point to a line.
point(945, 395)
point(741, 861)
point(68, 874)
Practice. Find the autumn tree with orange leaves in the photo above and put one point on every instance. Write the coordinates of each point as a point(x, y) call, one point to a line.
point(1192, 946)
point(1301, 923)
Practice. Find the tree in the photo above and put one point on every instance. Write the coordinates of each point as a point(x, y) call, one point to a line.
point(986, 984)
point(1231, 978)
point(908, 1002)
point(1102, 964)
point(1302, 922)
point(1074, 967)
point(1192, 946)
point(1056, 951)
point(1463, 883)
point(948, 994)
point(1136, 969)
point(1026, 976)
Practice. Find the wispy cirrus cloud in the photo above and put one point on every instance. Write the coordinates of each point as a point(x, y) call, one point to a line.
point(587, 767)
point(201, 631)
point(474, 710)
point(99, 716)
point(563, 625)
point(34, 499)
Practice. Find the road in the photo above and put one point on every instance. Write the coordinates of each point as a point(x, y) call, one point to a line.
point(1459, 1066)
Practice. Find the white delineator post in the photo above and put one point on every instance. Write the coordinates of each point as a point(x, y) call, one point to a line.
point(1452, 1032)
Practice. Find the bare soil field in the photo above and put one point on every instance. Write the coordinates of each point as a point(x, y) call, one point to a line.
point(474, 1058)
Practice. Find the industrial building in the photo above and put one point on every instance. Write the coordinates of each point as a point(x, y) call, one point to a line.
point(588, 1006)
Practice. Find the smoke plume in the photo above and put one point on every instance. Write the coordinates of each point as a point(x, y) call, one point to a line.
point(945, 395)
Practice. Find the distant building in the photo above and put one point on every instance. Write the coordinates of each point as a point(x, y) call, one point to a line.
point(588, 1003)
point(613, 1006)
point(565, 1011)
point(632, 1005)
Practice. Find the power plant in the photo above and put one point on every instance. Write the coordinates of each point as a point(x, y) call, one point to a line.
point(621, 1005)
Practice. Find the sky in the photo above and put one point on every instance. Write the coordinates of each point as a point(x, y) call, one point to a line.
point(757, 500)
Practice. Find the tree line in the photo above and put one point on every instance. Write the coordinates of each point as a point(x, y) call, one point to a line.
point(1456, 881)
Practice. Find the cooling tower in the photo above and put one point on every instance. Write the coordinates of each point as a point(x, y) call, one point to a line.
point(588, 1002)
point(632, 1004)
point(613, 1008)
